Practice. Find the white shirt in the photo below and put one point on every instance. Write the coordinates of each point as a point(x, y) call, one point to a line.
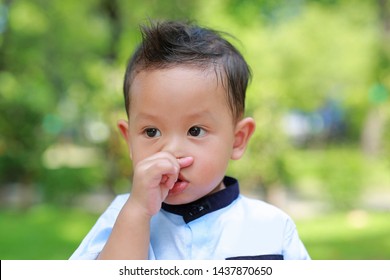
point(222, 225)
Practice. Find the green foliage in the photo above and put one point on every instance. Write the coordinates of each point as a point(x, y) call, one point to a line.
point(61, 185)
point(338, 175)
point(343, 181)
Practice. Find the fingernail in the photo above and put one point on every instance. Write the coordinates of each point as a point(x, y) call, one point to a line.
point(185, 161)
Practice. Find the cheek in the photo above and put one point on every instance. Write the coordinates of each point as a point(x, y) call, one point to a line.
point(140, 151)
point(211, 158)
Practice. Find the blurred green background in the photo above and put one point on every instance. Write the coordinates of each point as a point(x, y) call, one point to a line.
point(319, 94)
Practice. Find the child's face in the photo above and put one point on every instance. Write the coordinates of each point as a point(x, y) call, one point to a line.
point(183, 111)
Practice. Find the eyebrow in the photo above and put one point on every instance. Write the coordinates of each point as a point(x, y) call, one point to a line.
point(197, 115)
point(145, 116)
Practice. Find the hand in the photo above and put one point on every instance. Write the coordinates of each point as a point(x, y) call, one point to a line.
point(153, 178)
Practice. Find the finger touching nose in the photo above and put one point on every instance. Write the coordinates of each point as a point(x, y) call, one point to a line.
point(185, 161)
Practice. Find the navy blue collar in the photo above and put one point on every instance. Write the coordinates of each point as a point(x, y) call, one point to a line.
point(213, 202)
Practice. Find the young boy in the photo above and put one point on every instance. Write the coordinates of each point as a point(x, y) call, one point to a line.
point(184, 91)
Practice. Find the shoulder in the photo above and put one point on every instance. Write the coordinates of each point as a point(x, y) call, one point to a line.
point(257, 207)
point(262, 213)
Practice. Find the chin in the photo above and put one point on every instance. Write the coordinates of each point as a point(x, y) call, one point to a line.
point(181, 198)
point(177, 200)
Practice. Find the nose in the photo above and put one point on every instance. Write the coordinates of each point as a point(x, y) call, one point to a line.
point(175, 145)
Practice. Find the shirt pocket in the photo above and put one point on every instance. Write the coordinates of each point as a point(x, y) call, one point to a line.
point(259, 257)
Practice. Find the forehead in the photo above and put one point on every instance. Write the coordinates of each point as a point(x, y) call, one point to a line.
point(177, 83)
point(174, 94)
point(178, 72)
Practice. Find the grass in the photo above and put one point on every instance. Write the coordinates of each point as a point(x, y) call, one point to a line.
point(356, 235)
point(48, 232)
point(43, 233)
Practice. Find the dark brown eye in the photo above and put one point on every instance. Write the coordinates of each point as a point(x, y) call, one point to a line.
point(196, 131)
point(152, 132)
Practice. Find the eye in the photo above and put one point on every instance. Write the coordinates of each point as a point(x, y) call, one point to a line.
point(196, 131)
point(152, 132)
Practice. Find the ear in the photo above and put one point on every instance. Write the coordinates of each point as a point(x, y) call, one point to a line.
point(243, 132)
point(124, 129)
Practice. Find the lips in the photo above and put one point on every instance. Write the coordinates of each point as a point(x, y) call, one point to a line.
point(180, 185)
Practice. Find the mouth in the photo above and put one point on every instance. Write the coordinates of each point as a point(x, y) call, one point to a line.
point(181, 178)
point(180, 185)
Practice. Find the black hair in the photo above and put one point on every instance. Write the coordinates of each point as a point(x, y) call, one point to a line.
point(172, 43)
